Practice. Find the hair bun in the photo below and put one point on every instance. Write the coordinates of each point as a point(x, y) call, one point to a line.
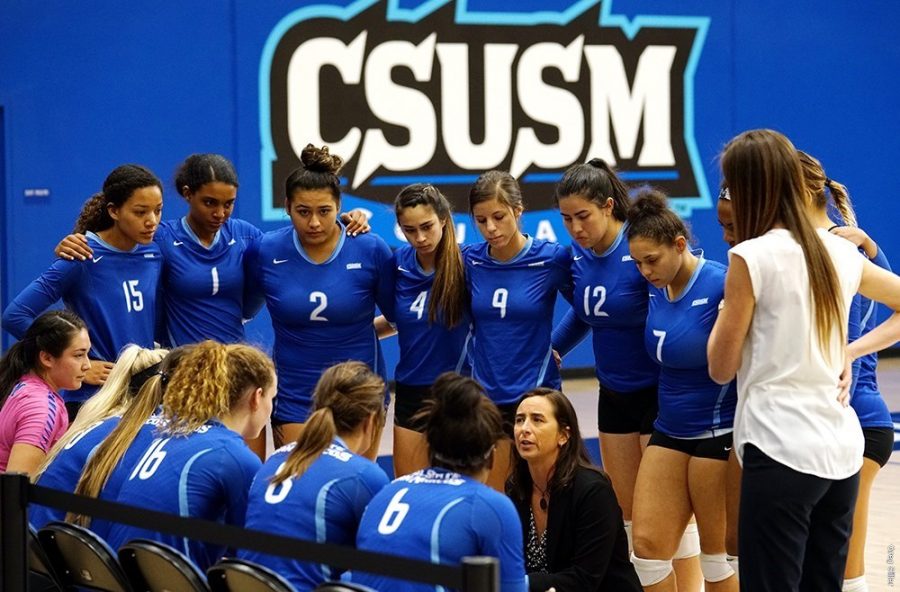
point(319, 160)
point(649, 202)
point(599, 163)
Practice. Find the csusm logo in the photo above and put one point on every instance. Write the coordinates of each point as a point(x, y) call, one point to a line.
point(440, 94)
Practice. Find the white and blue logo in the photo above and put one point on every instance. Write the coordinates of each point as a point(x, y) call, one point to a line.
point(441, 93)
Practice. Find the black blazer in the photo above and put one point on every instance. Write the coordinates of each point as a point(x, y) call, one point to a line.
point(587, 550)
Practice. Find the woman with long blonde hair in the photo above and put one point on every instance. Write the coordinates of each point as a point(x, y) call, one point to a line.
point(98, 417)
point(198, 464)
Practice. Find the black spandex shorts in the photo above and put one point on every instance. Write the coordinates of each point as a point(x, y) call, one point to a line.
point(408, 400)
point(627, 413)
point(879, 444)
point(715, 447)
point(508, 413)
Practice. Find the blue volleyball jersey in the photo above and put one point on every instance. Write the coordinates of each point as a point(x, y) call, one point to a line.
point(865, 397)
point(324, 505)
point(114, 292)
point(691, 405)
point(206, 474)
point(122, 470)
point(64, 470)
point(321, 312)
point(512, 313)
point(439, 516)
point(203, 287)
point(610, 296)
point(426, 350)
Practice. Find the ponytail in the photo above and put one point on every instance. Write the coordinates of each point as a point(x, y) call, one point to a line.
point(345, 396)
point(94, 215)
point(817, 182)
point(318, 432)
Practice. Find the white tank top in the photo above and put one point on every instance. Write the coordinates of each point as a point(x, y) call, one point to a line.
point(787, 388)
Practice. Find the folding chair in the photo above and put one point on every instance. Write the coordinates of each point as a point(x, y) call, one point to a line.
point(42, 576)
point(156, 567)
point(82, 559)
point(237, 575)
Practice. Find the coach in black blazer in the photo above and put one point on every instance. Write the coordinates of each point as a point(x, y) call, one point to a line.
point(572, 524)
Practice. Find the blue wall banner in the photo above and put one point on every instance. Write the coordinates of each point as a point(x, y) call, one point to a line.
point(436, 91)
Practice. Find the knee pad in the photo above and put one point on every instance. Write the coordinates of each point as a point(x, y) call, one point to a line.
point(735, 566)
point(715, 568)
point(690, 543)
point(651, 571)
point(628, 536)
point(855, 585)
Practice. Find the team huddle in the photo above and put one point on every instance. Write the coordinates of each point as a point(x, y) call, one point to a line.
point(738, 408)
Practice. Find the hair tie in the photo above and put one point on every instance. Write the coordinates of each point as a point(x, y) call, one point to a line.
point(724, 194)
point(138, 380)
point(163, 377)
point(828, 182)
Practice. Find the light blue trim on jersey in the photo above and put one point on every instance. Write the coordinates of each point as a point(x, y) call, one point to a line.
point(436, 534)
point(615, 244)
point(868, 315)
point(528, 242)
point(96, 237)
point(419, 266)
point(717, 408)
point(690, 283)
point(334, 253)
point(544, 366)
point(464, 352)
point(190, 232)
point(321, 526)
point(183, 507)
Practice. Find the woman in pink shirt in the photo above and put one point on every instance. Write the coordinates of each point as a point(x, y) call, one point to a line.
point(51, 356)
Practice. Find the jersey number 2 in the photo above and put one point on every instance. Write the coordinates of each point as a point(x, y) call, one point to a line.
point(322, 299)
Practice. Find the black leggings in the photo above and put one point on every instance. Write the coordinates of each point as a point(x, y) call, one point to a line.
point(794, 528)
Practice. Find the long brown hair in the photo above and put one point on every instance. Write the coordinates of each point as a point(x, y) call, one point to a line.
point(572, 455)
point(765, 180)
point(109, 453)
point(212, 379)
point(817, 182)
point(448, 298)
point(344, 397)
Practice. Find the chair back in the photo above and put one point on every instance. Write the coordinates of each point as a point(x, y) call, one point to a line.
point(155, 567)
point(342, 587)
point(82, 559)
point(42, 576)
point(237, 575)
